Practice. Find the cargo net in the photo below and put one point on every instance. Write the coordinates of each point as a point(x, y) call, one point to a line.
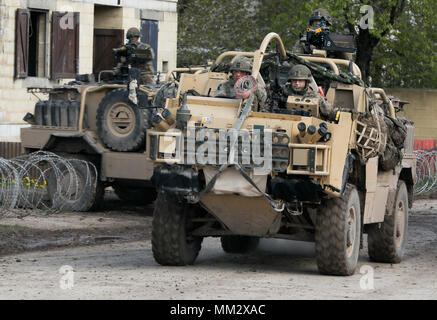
point(43, 181)
point(371, 134)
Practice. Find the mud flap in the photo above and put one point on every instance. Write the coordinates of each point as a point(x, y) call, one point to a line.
point(178, 180)
point(296, 190)
point(347, 168)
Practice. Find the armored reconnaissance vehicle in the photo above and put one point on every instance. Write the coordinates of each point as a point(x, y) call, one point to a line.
point(223, 169)
point(104, 122)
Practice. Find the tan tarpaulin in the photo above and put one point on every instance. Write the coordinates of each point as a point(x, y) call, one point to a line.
point(232, 182)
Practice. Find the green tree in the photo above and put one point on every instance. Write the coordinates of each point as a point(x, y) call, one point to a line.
point(210, 27)
point(399, 49)
point(289, 19)
point(346, 16)
point(407, 56)
point(385, 14)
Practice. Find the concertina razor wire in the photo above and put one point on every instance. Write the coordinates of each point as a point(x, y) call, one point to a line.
point(426, 170)
point(46, 181)
point(43, 181)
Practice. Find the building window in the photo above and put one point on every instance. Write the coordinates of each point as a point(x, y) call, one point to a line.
point(31, 44)
point(164, 66)
point(22, 43)
point(37, 44)
point(65, 45)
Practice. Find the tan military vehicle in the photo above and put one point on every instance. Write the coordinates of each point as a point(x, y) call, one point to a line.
point(101, 122)
point(97, 123)
point(222, 169)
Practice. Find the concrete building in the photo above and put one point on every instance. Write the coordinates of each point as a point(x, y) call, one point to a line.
point(46, 42)
point(421, 110)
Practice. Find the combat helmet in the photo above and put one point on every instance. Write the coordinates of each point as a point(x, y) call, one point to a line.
point(132, 33)
point(243, 64)
point(300, 72)
point(322, 15)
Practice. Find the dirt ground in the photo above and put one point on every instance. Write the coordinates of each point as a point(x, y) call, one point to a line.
point(107, 255)
point(117, 221)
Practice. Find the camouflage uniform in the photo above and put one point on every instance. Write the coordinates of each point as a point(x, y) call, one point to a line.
point(317, 15)
point(300, 48)
point(301, 72)
point(324, 106)
point(147, 69)
point(227, 89)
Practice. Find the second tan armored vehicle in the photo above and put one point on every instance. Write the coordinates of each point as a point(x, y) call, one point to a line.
point(222, 169)
point(98, 122)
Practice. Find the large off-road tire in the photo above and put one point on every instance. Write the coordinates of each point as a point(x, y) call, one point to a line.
point(141, 196)
point(80, 191)
point(171, 243)
point(387, 241)
point(338, 234)
point(239, 244)
point(122, 125)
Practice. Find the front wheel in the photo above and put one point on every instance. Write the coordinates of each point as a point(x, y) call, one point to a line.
point(338, 234)
point(172, 244)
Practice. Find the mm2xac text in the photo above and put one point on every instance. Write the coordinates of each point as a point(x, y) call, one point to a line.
point(221, 309)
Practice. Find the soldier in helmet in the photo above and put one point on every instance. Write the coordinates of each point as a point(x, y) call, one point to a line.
point(319, 18)
point(298, 83)
point(146, 68)
point(242, 66)
point(320, 21)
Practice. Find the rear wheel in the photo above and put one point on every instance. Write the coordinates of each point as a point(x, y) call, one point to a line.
point(338, 234)
point(387, 241)
point(172, 244)
point(239, 244)
point(75, 187)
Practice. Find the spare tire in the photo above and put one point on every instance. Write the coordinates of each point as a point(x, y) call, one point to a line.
point(121, 124)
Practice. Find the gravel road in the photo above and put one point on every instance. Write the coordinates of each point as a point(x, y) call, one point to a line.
point(107, 255)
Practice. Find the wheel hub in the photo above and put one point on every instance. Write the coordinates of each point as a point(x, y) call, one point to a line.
point(121, 119)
